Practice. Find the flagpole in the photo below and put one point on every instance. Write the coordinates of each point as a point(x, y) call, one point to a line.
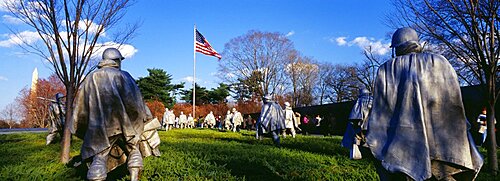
point(194, 72)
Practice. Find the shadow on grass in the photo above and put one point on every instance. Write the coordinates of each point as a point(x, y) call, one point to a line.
point(235, 158)
point(10, 141)
point(119, 173)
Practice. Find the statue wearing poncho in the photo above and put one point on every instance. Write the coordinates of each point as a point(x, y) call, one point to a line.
point(210, 120)
point(272, 119)
point(417, 125)
point(56, 118)
point(356, 127)
point(361, 109)
point(109, 111)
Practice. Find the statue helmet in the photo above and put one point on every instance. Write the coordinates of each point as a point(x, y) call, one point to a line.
point(59, 96)
point(267, 97)
point(234, 109)
point(403, 35)
point(287, 104)
point(112, 54)
point(364, 91)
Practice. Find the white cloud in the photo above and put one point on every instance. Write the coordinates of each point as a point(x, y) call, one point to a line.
point(224, 75)
point(126, 50)
point(340, 41)
point(377, 46)
point(32, 7)
point(32, 37)
point(190, 79)
point(11, 20)
point(90, 26)
point(291, 33)
point(28, 37)
point(4, 3)
point(3, 78)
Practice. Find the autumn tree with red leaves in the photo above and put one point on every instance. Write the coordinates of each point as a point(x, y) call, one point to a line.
point(157, 108)
point(34, 104)
point(248, 107)
point(201, 110)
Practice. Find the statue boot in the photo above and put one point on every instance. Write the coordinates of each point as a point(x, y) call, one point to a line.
point(135, 173)
point(134, 163)
point(98, 169)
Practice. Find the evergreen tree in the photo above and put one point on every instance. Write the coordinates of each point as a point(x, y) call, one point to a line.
point(157, 86)
point(218, 95)
point(201, 95)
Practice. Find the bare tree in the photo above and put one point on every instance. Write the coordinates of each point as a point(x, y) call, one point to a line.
point(468, 31)
point(366, 72)
point(321, 88)
point(306, 82)
point(293, 75)
point(69, 34)
point(257, 53)
point(34, 104)
point(10, 114)
point(343, 83)
point(302, 73)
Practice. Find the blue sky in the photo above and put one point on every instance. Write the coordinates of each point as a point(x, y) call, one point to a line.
point(327, 30)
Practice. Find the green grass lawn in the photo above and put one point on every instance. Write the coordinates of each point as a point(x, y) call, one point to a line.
point(194, 154)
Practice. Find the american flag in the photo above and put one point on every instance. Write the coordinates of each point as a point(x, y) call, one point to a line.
point(202, 46)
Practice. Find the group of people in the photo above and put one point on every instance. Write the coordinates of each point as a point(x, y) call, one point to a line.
point(310, 124)
point(182, 121)
point(232, 121)
point(276, 121)
point(273, 119)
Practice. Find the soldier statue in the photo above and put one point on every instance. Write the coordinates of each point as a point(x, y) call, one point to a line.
point(57, 115)
point(272, 120)
point(110, 116)
point(237, 120)
point(210, 120)
point(417, 127)
point(290, 121)
point(227, 121)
